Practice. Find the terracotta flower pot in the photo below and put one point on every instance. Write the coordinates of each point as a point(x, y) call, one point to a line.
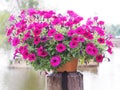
point(70, 66)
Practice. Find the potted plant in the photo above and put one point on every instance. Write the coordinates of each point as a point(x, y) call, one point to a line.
point(48, 40)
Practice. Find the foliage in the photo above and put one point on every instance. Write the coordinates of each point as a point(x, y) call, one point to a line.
point(48, 40)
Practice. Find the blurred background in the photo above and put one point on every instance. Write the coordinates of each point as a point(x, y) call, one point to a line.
point(16, 75)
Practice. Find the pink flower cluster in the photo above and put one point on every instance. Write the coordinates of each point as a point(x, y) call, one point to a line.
point(37, 32)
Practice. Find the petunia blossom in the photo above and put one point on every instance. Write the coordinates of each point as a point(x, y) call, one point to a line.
point(37, 32)
point(109, 43)
point(10, 30)
point(96, 18)
point(90, 44)
point(70, 33)
point(15, 53)
point(60, 47)
point(36, 40)
point(55, 61)
point(80, 31)
point(51, 32)
point(88, 35)
point(11, 18)
point(100, 31)
point(31, 11)
point(94, 51)
point(75, 38)
point(22, 48)
point(25, 54)
point(58, 37)
point(91, 50)
point(77, 19)
point(26, 36)
point(73, 44)
point(42, 53)
point(101, 40)
point(31, 57)
point(109, 50)
point(101, 23)
point(40, 49)
point(71, 13)
point(15, 41)
point(99, 58)
point(56, 21)
point(81, 39)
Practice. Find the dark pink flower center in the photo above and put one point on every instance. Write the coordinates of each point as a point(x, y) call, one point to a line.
point(54, 60)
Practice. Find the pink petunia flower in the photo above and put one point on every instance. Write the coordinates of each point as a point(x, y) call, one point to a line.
point(88, 35)
point(11, 18)
point(109, 43)
point(73, 44)
point(18, 31)
point(88, 50)
point(40, 49)
point(56, 21)
point(101, 40)
point(63, 18)
point(58, 37)
point(31, 57)
point(89, 22)
point(15, 41)
point(25, 54)
point(109, 36)
point(109, 50)
point(49, 14)
point(15, 53)
point(42, 53)
point(51, 32)
point(96, 18)
point(36, 40)
point(45, 24)
point(26, 36)
point(36, 32)
point(101, 22)
point(80, 31)
point(22, 48)
point(71, 13)
point(77, 20)
point(91, 44)
point(69, 23)
point(100, 31)
point(81, 39)
point(94, 51)
point(99, 58)
point(23, 14)
point(55, 61)
point(31, 11)
point(70, 33)
point(9, 39)
point(9, 30)
point(75, 38)
point(91, 50)
point(60, 47)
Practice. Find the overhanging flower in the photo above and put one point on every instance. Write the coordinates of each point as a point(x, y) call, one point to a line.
point(55, 61)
